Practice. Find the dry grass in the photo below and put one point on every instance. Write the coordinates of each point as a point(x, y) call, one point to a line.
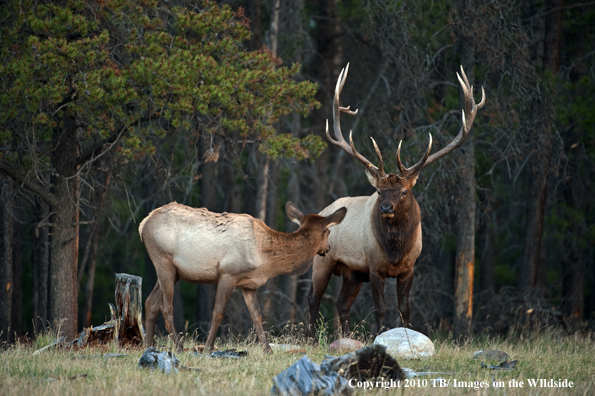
point(549, 355)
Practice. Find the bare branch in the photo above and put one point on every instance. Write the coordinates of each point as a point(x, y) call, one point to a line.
point(34, 187)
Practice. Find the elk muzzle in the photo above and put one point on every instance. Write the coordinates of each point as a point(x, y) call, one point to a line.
point(387, 210)
point(322, 252)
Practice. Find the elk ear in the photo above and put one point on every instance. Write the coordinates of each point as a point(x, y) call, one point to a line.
point(294, 213)
point(413, 179)
point(336, 217)
point(372, 179)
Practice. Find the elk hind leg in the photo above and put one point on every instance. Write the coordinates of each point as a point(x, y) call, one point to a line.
point(152, 307)
point(168, 278)
point(251, 300)
point(224, 289)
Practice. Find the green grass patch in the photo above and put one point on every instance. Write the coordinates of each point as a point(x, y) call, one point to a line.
point(548, 355)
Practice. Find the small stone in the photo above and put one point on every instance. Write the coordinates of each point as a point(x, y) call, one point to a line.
point(345, 345)
point(409, 373)
point(287, 348)
point(402, 343)
point(491, 354)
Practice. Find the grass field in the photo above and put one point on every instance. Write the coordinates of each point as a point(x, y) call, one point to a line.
point(549, 355)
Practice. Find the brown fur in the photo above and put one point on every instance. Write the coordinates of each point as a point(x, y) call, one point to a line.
point(396, 235)
point(232, 250)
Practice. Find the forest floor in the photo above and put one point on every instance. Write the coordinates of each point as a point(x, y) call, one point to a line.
point(87, 371)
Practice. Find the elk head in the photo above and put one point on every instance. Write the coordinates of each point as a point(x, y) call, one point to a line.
point(395, 190)
point(316, 225)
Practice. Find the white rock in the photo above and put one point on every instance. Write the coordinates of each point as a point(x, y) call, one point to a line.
point(408, 372)
point(402, 343)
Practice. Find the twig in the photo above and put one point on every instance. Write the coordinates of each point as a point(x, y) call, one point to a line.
point(82, 223)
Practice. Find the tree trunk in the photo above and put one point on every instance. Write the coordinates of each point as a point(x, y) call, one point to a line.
point(274, 31)
point(291, 281)
point(255, 25)
point(540, 161)
point(271, 221)
point(487, 256)
point(292, 32)
point(91, 251)
point(91, 279)
point(17, 279)
point(63, 309)
point(231, 187)
point(465, 254)
point(573, 278)
point(6, 267)
point(575, 239)
point(553, 38)
point(328, 66)
point(41, 268)
point(548, 51)
point(262, 188)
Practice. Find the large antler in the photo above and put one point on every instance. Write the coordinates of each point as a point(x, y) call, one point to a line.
point(340, 142)
point(468, 117)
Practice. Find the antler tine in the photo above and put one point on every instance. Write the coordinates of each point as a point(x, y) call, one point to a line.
point(402, 169)
point(339, 140)
point(370, 166)
point(339, 88)
point(468, 116)
point(379, 155)
point(407, 172)
point(483, 99)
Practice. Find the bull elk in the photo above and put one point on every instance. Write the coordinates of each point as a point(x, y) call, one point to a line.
point(381, 235)
point(230, 250)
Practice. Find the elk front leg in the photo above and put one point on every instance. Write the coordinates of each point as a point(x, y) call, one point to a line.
point(377, 284)
point(404, 282)
point(224, 289)
point(349, 292)
point(321, 274)
point(254, 308)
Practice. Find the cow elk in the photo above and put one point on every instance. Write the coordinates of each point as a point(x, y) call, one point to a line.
point(230, 250)
point(381, 235)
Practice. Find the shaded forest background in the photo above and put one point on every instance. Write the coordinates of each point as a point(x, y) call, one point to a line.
point(529, 162)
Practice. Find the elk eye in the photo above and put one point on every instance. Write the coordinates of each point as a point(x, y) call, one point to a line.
point(378, 191)
point(404, 192)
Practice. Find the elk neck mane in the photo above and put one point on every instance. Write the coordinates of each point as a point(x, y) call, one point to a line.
point(287, 253)
point(396, 235)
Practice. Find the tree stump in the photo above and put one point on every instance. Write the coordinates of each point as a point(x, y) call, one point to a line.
point(129, 310)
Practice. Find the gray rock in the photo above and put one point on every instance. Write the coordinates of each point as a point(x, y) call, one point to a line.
point(402, 343)
point(345, 345)
point(409, 373)
point(165, 361)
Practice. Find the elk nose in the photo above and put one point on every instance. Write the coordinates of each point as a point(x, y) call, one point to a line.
point(386, 208)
